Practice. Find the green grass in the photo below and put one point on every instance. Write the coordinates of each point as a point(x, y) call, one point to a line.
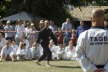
point(30, 66)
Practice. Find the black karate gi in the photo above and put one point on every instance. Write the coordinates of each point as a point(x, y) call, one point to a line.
point(43, 38)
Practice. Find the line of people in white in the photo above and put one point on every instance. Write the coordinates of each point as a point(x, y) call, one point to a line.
point(10, 50)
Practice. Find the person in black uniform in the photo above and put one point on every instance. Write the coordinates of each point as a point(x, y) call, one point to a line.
point(43, 38)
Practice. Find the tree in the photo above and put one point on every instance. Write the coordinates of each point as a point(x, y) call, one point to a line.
point(48, 9)
point(4, 7)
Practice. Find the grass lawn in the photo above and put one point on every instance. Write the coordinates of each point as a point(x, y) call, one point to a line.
point(30, 66)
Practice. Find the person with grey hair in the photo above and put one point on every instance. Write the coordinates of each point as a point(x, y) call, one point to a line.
point(92, 45)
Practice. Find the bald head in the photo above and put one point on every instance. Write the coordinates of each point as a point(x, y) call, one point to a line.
point(98, 17)
point(98, 13)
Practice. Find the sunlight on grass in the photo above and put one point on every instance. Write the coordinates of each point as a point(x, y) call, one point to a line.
point(30, 66)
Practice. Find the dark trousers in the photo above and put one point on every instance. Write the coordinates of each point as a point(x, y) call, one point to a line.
point(46, 52)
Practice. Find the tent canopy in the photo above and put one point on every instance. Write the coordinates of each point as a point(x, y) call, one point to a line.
point(19, 16)
point(85, 12)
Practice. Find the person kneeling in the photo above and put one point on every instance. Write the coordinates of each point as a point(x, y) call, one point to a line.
point(21, 52)
point(6, 50)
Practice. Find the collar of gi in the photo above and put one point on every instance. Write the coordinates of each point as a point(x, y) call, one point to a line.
point(97, 27)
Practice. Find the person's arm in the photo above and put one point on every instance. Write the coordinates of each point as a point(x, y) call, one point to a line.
point(86, 64)
point(39, 37)
point(3, 50)
point(63, 27)
point(6, 30)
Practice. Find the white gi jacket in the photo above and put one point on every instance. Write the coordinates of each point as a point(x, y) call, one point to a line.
point(92, 49)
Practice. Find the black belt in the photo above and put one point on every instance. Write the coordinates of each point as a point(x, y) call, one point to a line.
point(100, 66)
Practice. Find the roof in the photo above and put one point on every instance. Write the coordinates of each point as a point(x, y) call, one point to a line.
point(85, 12)
point(20, 16)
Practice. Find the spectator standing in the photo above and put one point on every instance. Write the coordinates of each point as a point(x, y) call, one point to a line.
point(20, 29)
point(67, 37)
point(32, 34)
point(9, 31)
point(81, 28)
point(1, 27)
point(66, 28)
point(52, 26)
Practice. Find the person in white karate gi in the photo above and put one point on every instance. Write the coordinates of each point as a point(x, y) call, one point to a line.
point(70, 51)
point(21, 51)
point(13, 53)
point(55, 50)
point(2, 41)
point(5, 52)
point(92, 45)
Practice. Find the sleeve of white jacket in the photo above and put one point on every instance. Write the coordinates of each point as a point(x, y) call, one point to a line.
point(85, 63)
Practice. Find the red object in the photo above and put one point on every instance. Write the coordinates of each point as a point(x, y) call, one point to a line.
point(59, 36)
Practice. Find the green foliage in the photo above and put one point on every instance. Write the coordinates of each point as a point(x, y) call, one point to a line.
point(4, 7)
point(50, 9)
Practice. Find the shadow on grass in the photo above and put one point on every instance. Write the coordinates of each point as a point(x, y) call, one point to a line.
point(66, 66)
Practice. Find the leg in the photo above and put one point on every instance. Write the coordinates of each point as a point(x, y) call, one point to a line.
point(45, 47)
point(43, 56)
point(49, 56)
point(3, 57)
point(13, 57)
